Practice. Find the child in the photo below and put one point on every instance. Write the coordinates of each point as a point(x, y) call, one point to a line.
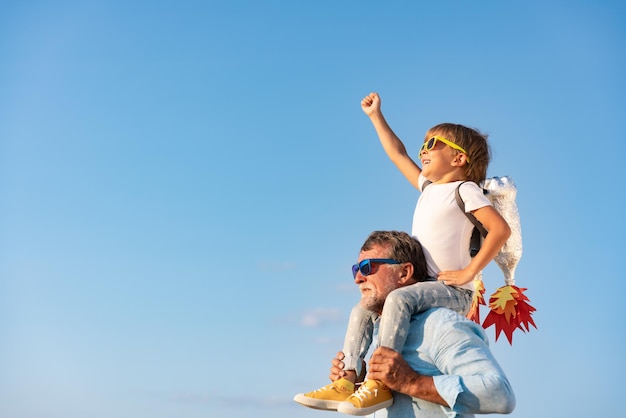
point(450, 155)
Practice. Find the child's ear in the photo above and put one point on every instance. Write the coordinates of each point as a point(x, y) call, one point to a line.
point(460, 159)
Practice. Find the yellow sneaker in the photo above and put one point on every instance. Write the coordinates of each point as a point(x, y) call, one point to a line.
point(328, 397)
point(371, 396)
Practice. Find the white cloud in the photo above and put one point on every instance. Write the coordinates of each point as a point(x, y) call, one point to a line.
point(320, 316)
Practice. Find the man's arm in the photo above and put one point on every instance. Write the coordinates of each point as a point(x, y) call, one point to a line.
point(469, 379)
point(390, 368)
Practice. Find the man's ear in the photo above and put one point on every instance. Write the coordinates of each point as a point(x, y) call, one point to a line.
point(407, 273)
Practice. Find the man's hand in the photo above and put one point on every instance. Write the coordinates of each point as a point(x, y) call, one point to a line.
point(390, 368)
point(336, 370)
point(371, 104)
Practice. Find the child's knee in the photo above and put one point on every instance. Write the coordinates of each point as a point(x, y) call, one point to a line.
point(396, 298)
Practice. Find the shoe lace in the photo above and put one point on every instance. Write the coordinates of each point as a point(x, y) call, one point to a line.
point(363, 392)
point(324, 389)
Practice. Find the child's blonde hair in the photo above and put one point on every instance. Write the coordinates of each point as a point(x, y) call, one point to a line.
point(472, 141)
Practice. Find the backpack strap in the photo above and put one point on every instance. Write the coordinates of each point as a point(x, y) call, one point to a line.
point(479, 230)
point(470, 216)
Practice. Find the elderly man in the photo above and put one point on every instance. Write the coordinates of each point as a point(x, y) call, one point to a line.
point(446, 368)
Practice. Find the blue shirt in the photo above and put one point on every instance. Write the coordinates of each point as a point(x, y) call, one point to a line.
point(455, 351)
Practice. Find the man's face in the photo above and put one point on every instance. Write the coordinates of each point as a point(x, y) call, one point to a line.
point(376, 286)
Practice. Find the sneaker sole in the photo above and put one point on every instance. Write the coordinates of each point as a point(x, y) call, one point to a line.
point(348, 408)
point(322, 404)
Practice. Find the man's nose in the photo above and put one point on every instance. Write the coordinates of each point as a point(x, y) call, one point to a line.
point(359, 278)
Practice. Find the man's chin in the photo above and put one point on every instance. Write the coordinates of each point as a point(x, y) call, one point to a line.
point(370, 304)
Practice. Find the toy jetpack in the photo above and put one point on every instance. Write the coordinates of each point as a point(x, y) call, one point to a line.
point(509, 307)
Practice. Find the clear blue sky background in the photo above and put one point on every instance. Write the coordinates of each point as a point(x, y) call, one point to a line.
point(184, 186)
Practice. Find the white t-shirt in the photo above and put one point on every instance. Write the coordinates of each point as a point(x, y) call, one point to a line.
point(442, 228)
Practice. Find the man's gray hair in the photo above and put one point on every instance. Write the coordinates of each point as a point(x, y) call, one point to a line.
point(402, 247)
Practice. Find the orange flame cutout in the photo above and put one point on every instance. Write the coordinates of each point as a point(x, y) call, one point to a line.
point(509, 310)
point(477, 300)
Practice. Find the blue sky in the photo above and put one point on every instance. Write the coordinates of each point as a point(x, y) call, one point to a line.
point(185, 185)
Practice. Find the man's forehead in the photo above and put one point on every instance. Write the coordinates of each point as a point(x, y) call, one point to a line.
point(375, 251)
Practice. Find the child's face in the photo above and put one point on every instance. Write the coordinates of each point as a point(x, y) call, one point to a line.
point(438, 161)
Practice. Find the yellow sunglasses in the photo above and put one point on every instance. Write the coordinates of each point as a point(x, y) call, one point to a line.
point(430, 144)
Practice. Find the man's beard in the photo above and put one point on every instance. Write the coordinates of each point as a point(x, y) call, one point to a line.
point(374, 300)
point(372, 303)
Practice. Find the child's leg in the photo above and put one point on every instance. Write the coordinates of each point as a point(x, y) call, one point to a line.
point(404, 302)
point(358, 340)
point(400, 305)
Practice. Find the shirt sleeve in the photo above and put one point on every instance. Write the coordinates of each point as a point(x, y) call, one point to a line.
point(473, 196)
point(420, 182)
point(472, 381)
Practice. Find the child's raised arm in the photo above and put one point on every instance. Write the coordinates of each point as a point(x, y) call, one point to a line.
point(393, 146)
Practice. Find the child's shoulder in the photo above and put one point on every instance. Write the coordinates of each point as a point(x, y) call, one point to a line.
point(459, 184)
point(469, 185)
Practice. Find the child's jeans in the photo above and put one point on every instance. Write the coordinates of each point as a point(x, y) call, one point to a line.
point(400, 305)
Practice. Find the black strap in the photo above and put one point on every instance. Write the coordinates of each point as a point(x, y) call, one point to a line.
point(469, 215)
point(479, 230)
